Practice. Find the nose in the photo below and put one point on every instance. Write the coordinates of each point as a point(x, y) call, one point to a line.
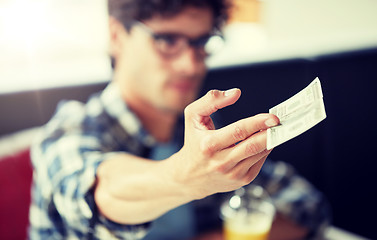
point(188, 61)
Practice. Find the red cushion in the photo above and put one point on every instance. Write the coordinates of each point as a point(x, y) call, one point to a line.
point(15, 183)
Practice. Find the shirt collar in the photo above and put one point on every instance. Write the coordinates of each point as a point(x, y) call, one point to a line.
point(118, 109)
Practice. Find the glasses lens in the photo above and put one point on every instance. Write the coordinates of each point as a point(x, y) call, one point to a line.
point(168, 44)
point(214, 44)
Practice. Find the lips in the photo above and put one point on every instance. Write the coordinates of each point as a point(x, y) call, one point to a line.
point(183, 85)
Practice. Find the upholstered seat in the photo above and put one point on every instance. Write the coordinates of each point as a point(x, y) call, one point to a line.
point(15, 183)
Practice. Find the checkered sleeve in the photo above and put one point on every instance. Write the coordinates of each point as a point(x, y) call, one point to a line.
point(66, 162)
point(294, 197)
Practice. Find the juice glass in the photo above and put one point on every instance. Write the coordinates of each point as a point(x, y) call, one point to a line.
point(248, 214)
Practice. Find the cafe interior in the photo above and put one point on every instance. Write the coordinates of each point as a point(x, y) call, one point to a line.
point(57, 50)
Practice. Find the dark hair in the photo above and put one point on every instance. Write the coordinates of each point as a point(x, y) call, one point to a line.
point(127, 11)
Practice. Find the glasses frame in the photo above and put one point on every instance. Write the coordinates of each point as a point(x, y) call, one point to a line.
point(198, 44)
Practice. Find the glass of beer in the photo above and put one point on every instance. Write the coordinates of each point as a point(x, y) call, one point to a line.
point(248, 214)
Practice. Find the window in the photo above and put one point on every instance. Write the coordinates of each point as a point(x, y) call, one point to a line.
point(49, 43)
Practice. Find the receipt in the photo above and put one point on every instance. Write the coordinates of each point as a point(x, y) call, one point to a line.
point(297, 114)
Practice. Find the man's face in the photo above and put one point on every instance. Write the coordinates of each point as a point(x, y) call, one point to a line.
point(150, 78)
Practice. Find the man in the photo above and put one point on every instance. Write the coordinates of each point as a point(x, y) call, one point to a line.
point(94, 175)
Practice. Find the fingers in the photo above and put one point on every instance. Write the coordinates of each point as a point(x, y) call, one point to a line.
point(211, 102)
point(254, 170)
point(238, 149)
point(241, 168)
point(246, 170)
point(236, 132)
point(251, 149)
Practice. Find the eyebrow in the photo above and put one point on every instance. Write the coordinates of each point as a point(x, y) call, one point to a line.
point(157, 34)
point(172, 33)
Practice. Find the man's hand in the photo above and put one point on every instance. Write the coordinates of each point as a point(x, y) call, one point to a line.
point(220, 160)
point(132, 190)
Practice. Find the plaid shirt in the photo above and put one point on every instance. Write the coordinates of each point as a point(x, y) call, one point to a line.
point(80, 136)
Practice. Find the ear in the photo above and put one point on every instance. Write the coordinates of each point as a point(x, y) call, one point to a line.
point(117, 36)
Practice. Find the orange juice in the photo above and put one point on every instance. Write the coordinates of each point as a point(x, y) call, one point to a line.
point(252, 227)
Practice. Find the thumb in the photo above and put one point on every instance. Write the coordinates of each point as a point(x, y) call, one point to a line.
point(211, 102)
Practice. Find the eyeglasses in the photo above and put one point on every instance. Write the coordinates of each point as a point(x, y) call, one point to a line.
point(173, 44)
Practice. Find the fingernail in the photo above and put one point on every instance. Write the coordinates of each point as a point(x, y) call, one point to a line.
point(230, 92)
point(270, 122)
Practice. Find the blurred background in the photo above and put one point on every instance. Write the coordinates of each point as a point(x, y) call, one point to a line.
point(52, 50)
point(52, 43)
